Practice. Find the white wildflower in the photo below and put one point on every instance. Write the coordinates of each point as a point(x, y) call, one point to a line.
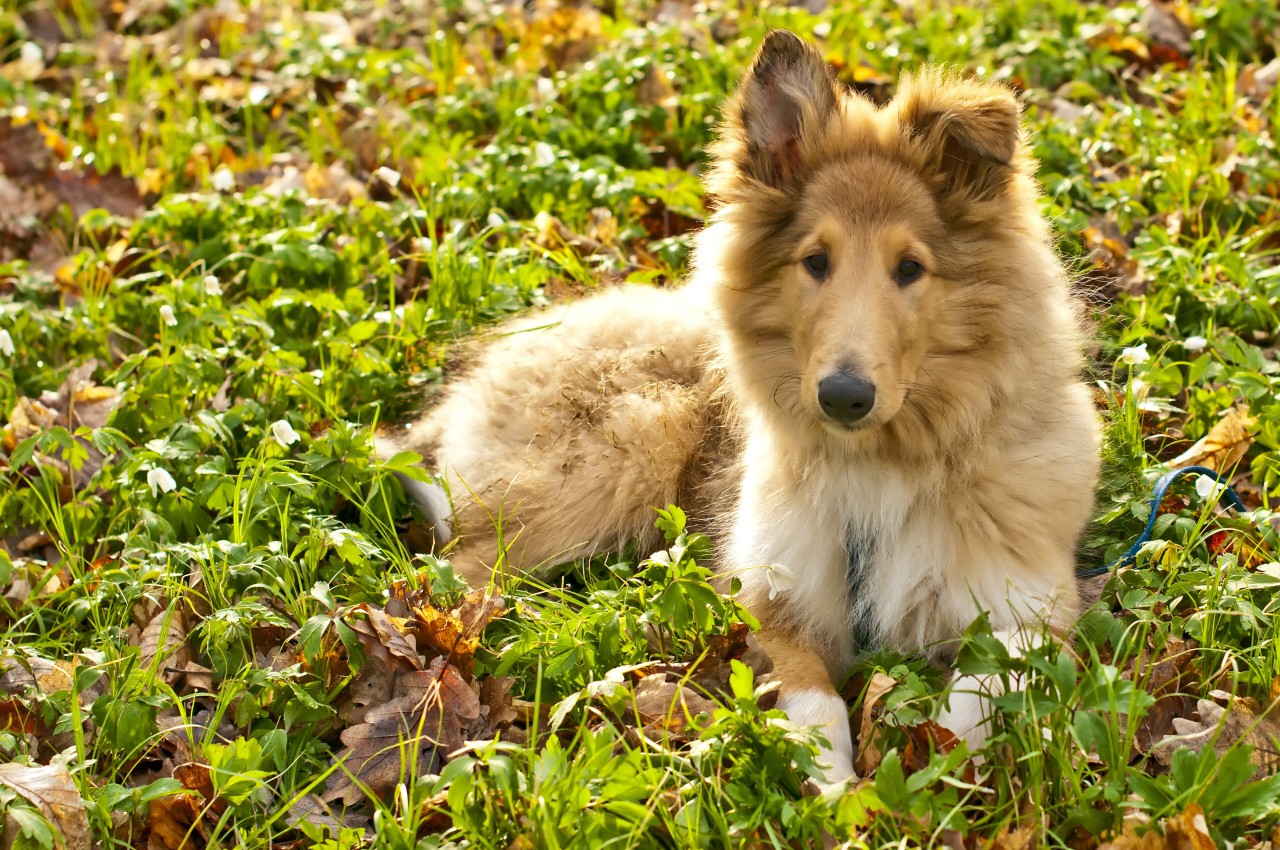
point(388, 176)
point(30, 61)
point(545, 88)
point(382, 317)
point(422, 245)
point(284, 433)
point(160, 481)
point(211, 285)
point(781, 579)
point(6, 344)
point(1195, 343)
point(699, 748)
point(223, 180)
point(494, 220)
point(544, 156)
point(166, 315)
point(1207, 487)
point(1136, 355)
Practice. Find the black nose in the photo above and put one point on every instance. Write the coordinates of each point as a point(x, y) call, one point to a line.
point(846, 398)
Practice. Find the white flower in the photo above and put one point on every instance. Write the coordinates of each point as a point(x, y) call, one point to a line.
point(223, 180)
point(781, 579)
point(1134, 356)
point(6, 344)
point(494, 220)
point(30, 61)
point(1195, 343)
point(544, 156)
point(211, 285)
point(388, 176)
point(284, 433)
point(166, 315)
point(546, 88)
point(422, 245)
point(160, 481)
point(1207, 487)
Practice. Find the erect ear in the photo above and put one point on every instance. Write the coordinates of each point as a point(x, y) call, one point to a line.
point(968, 130)
point(787, 95)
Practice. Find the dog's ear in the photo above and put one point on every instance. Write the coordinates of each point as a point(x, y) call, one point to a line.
point(787, 95)
point(969, 130)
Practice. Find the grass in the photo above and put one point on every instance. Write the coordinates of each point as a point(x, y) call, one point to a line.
point(330, 195)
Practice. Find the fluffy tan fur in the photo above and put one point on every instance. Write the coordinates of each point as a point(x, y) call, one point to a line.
point(965, 487)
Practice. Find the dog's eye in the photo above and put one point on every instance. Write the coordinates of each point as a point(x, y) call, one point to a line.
point(908, 271)
point(817, 265)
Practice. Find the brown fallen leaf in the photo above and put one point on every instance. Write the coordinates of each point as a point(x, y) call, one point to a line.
point(430, 716)
point(1136, 836)
point(1188, 831)
point(17, 716)
point(1022, 838)
point(316, 812)
point(386, 638)
point(1225, 445)
point(1222, 728)
point(661, 698)
point(868, 754)
point(52, 790)
point(923, 740)
point(177, 823)
point(165, 637)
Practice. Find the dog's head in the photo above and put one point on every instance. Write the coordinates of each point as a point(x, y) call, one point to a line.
point(858, 249)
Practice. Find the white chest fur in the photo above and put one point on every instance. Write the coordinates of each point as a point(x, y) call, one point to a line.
point(793, 535)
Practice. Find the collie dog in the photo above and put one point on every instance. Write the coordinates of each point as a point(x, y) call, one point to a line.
point(868, 390)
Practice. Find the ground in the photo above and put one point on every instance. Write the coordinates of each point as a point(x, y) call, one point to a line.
point(238, 238)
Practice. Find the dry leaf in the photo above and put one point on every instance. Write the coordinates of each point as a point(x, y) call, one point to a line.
point(386, 638)
point(1222, 728)
point(868, 754)
point(1022, 838)
point(1188, 831)
point(1225, 444)
point(177, 823)
point(52, 790)
point(661, 699)
point(165, 637)
point(1130, 839)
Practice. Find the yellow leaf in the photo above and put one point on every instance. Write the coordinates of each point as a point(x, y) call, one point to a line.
point(1225, 444)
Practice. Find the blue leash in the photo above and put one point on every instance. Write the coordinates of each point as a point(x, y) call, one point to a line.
point(1162, 485)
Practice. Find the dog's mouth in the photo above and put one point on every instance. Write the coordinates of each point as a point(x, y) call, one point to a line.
point(849, 429)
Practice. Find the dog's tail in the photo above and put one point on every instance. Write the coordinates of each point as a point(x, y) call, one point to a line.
point(432, 499)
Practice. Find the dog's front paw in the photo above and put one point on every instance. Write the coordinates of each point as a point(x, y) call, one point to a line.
point(824, 708)
point(968, 711)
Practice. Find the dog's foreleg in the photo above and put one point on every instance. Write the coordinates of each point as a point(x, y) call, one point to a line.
point(968, 711)
point(809, 699)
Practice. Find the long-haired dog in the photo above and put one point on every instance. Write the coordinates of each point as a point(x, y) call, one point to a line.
point(870, 387)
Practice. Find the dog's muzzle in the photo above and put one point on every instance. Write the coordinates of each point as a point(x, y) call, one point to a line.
point(846, 398)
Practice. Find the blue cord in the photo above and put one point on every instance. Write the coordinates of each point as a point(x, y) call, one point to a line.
point(1162, 485)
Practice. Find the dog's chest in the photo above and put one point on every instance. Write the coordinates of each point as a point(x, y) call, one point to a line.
point(859, 549)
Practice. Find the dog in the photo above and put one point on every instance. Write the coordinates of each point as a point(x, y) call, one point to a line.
point(869, 388)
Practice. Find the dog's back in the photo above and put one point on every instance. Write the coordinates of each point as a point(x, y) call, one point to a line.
point(570, 426)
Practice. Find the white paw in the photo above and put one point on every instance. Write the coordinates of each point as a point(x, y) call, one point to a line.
point(823, 708)
point(968, 712)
